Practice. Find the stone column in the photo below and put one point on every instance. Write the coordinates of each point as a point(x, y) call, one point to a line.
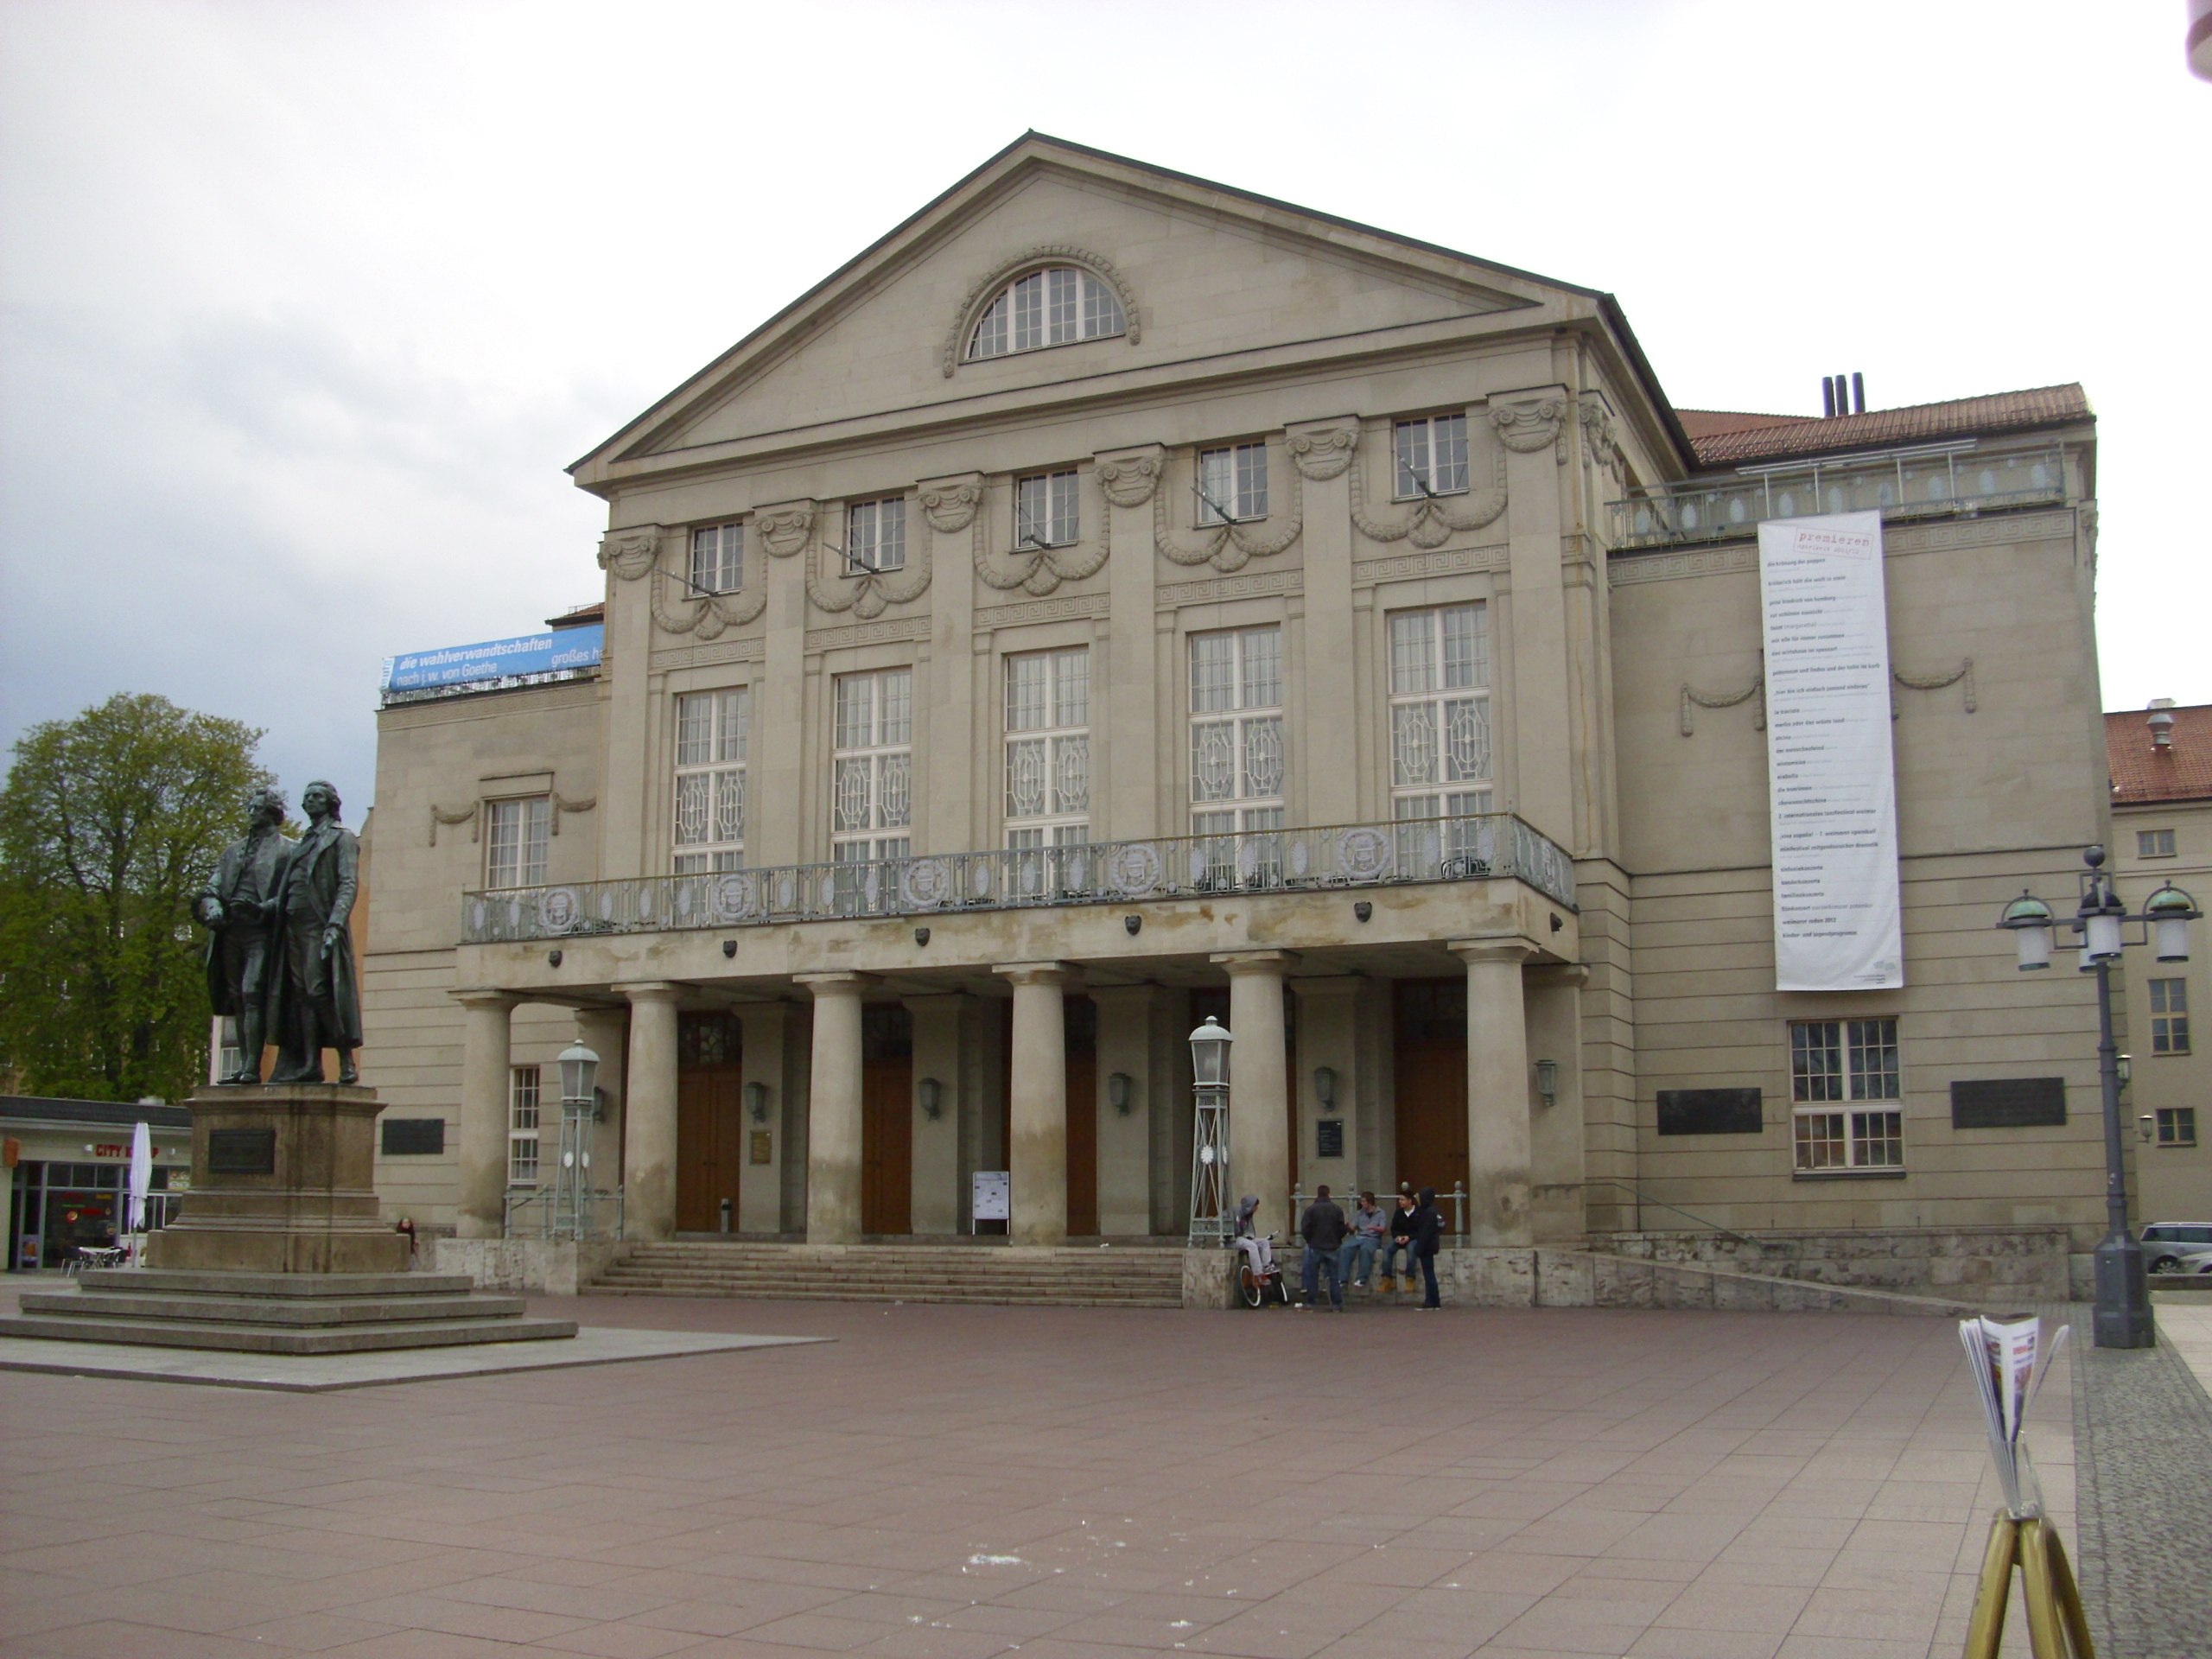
point(1555, 1142)
point(484, 1062)
point(1039, 1155)
point(1259, 1085)
point(833, 1126)
point(649, 1111)
point(1325, 452)
point(1498, 1094)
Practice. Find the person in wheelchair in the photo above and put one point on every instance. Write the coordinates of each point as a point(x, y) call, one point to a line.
point(1258, 1251)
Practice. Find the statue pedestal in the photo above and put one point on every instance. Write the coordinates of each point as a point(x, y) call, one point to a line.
point(282, 1182)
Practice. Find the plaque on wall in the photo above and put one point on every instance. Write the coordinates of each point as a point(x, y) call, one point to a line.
point(1711, 1111)
point(1329, 1138)
point(241, 1151)
point(413, 1137)
point(2009, 1103)
point(763, 1145)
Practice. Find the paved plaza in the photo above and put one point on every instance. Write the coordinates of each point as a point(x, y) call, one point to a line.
point(1073, 1483)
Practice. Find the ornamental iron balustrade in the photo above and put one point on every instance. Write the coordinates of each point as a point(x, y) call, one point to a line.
point(1488, 847)
point(1925, 481)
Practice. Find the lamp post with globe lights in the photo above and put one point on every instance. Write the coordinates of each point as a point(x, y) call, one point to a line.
point(2100, 921)
point(572, 1198)
point(1211, 1205)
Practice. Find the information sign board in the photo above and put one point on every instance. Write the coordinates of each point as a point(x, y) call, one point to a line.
point(497, 660)
point(991, 1195)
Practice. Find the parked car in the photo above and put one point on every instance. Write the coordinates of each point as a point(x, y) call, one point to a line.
point(2165, 1243)
point(2200, 1262)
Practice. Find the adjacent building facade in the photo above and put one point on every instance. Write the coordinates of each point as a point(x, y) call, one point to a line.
point(1115, 599)
point(2161, 761)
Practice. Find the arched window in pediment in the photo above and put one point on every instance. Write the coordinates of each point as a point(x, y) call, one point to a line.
point(1057, 305)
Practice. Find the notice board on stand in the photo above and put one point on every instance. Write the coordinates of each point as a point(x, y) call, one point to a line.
point(990, 1194)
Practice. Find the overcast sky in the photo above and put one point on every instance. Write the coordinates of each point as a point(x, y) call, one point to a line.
point(308, 305)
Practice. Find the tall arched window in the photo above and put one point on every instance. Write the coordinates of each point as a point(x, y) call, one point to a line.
point(1053, 307)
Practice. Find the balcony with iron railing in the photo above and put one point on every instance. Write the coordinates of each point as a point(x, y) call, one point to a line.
point(1489, 847)
point(1934, 481)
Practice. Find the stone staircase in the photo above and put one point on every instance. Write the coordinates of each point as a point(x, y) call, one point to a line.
point(277, 1312)
point(1074, 1277)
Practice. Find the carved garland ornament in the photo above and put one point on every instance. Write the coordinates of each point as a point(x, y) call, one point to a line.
point(868, 595)
point(986, 291)
point(1725, 700)
point(439, 815)
point(1599, 443)
point(1431, 520)
point(1231, 547)
point(1039, 570)
point(1963, 674)
point(1527, 428)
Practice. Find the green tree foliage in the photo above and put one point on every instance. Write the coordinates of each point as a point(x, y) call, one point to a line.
point(109, 823)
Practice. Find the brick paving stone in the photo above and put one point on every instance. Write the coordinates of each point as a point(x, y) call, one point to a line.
point(954, 1482)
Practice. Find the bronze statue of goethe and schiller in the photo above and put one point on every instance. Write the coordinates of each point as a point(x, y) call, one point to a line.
point(280, 951)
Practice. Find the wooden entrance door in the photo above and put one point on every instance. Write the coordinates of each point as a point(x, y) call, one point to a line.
point(710, 1120)
point(1080, 1025)
point(1432, 1067)
point(887, 1120)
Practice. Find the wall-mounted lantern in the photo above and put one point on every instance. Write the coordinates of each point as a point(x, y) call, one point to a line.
point(756, 1101)
point(1119, 1087)
point(1325, 1089)
point(1548, 1082)
point(930, 1093)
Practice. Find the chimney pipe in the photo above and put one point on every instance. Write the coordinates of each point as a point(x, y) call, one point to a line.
point(1858, 393)
point(1828, 398)
point(2161, 722)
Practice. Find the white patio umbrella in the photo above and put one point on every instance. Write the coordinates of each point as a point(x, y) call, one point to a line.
point(141, 1177)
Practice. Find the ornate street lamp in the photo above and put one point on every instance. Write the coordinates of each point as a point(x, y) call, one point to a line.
point(2123, 1306)
point(572, 1186)
point(1211, 1214)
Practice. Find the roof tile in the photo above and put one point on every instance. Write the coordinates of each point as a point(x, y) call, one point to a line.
point(1781, 437)
point(2140, 772)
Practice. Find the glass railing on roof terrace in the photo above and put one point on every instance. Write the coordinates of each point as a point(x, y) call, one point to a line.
point(1477, 848)
point(1925, 481)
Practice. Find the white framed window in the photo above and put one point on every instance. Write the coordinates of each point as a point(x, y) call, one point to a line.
point(1439, 725)
point(2154, 843)
point(1048, 748)
point(522, 1126)
point(709, 816)
point(876, 536)
point(1236, 739)
point(2170, 1016)
point(1838, 1069)
point(718, 558)
point(1232, 484)
point(1057, 306)
point(1431, 452)
point(1045, 513)
point(514, 845)
point(871, 806)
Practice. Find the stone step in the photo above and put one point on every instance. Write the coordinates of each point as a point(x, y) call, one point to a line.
point(300, 1311)
point(973, 1294)
point(271, 1340)
point(276, 1284)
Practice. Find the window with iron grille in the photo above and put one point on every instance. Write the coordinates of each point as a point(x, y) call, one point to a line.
point(871, 804)
point(876, 536)
point(1048, 748)
point(1054, 307)
point(1439, 724)
point(2170, 1016)
point(2154, 843)
point(710, 738)
point(1432, 456)
point(1834, 1066)
point(718, 559)
point(2177, 1126)
point(1233, 483)
point(1045, 511)
point(517, 834)
point(1237, 746)
point(522, 1126)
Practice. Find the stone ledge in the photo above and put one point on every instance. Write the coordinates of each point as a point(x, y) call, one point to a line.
point(1556, 1278)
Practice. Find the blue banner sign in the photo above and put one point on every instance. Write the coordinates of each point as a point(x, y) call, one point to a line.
point(497, 660)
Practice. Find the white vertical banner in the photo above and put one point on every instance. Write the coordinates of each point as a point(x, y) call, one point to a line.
point(1831, 786)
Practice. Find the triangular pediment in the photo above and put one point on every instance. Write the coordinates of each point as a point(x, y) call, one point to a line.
point(1207, 274)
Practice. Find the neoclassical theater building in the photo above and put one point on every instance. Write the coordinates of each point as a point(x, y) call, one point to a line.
point(1116, 598)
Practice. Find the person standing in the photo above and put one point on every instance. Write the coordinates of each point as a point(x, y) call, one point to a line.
point(1356, 1259)
point(1428, 1236)
point(1323, 1229)
point(1401, 1235)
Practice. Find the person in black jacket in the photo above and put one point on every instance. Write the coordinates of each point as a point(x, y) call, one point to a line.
point(1428, 1233)
point(1323, 1229)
